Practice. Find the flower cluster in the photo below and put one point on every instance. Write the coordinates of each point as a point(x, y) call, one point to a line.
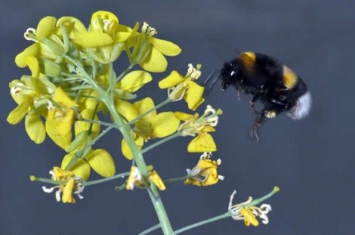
point(73, 89)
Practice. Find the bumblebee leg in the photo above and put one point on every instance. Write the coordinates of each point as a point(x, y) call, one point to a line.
point(259, 121)
point(252, 102)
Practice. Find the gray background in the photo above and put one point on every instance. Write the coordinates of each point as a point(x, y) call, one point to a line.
point(310, 160)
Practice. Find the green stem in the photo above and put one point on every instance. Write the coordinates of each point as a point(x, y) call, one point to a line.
point(177, 179)
point(122, 175)
point(198, 224)
point(177, 134)
point(125, 71)
point(160, 210)
point(49, 181)
point(150, 229)
point(128, 137)
point(98, 122)
point(259, 200)
point(150, 110)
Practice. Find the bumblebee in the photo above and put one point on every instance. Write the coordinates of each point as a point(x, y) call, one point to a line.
point(270, 82)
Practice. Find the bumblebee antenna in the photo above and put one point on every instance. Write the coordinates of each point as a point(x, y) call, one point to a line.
point(211, 81)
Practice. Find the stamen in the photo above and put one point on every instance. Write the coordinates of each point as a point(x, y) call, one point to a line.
point(30, 34)
point(107, 24)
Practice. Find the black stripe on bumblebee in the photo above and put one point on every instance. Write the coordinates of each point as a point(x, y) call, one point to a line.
point(275, 85)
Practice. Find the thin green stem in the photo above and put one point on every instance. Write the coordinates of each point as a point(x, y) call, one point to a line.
point(125, 71)
point(49, 181)
point(177, 179)
point(155, 227)
point(98, 122)
point(198, 224)
point(83, 96)
point(150, 147)
point(122, 175)
point(259, 200)
point(150, 110)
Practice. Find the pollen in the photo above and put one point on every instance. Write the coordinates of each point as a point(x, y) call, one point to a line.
point(289, 77)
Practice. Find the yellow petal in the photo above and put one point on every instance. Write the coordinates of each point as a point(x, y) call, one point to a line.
point(143, 106)
point(172, 80)
point(54, 134)
point(93, 39)
point(32, 50)
point(165, 47)
point(155, 178)
point(164, 124)
point(194, 95)
point(101, 161)
point(102, 15)
point(64, 123)
point(134, 80)
point(249, 217)
point(33, 64)
point(126, 151)
point(208, 129)
point(183, 116)
point(126, 109)
point(154, 62)
point(203, 142)
point(72, 25)
point(19, 112)
point(81, 126)
point(61, 97)
point(68, 192)
point(80, 168)
point(35, 128)
point(88, 103)
point(45, 27)
point(124, 32)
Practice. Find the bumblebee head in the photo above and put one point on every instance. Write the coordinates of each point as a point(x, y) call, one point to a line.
point(228, 74)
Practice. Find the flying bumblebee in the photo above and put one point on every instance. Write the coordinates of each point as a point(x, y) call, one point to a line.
point(275, 85)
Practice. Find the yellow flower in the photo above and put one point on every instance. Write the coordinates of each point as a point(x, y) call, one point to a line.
point(48, 38)
point(31, 96)
point(184, 87)
point(135, 179)
point(151, 125)
point(60, 119)
point(149, 51)
point(69, 184)
point(248, 211)
point(201, 126)
point(105, 38)
point(205, 173)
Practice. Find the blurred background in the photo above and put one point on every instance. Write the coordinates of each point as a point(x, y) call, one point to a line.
point(312, 160)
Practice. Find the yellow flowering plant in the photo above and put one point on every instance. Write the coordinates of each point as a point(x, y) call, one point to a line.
point(73, 89)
